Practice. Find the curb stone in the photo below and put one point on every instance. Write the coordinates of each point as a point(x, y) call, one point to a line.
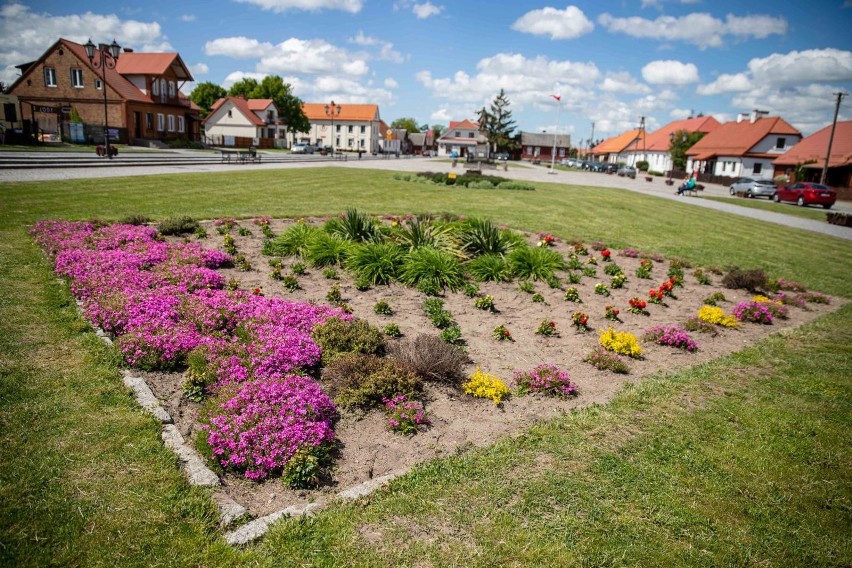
point(145, 398)
point(198, 473)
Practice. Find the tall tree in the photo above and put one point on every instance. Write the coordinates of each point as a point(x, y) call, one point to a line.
point(497, 123)
point(409, 124)
point(682, 141)
point(205, 95)
point(273, 87)
point(244, 87)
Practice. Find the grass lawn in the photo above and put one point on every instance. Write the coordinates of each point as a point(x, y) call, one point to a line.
point(745, 460)
point(815, 213)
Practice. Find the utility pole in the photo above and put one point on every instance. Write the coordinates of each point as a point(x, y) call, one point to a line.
point(592, 139)
point(642, 134)
point(831, 137)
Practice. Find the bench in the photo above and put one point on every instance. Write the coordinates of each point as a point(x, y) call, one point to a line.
point(694, 191)
point(228, 154)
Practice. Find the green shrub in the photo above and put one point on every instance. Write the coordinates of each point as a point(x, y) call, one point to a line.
point(135, 220)
point(481, 236)
point(515, 185)
point(182, 225)
point(358, 380)
point(355, 226)
point(333, 296)
point(335, 337)
point(470, 290)
point(422, 232)
point(535, 263)
point(198, 375)
point(432, 268)
point(324, 249)
point(330, 273)
point(377, 263)
point(294, 241)
point(304, 468)
point(298, 269)
point(392, 330)
point(642, 165)
point(526, 286)
point(489, 267)
point(452, 335)
point(383, 308)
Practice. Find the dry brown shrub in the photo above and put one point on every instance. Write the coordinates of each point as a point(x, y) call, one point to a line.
point(431, 358)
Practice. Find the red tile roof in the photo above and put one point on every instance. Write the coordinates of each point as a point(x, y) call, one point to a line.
point(464, 124)
point(152, 64)
point(241, 105)
point(259, 104)
point(114, 79)
point(618, 143)
point(659, 141)
point(815, 146)
point(737, 138)
point(352, 112)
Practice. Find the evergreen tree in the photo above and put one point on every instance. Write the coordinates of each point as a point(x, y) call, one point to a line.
point(497, 123)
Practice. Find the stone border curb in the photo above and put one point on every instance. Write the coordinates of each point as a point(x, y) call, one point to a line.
point(144, 396)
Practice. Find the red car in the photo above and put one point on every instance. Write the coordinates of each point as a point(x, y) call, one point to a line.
point(806, 193)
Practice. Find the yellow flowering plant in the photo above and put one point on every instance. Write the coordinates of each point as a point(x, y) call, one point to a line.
point(621, 342)
point(717, 316)
point(486, 385)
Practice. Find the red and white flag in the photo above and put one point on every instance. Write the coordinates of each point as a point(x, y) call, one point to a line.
point(557, 97)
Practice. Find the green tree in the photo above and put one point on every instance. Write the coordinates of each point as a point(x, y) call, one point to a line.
point(408, 124)
point(245, 87)
point(273, 87)
point(497, 123)
point(205, 96)
point(681, 142)
point(437, 130)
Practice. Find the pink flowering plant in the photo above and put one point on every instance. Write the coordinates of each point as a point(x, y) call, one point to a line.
point(671, 335)
point(756, 312)
point(546, 379)
point(405, 416)
point(259, 428)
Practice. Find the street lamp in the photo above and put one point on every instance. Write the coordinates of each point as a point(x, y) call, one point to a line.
point(108, 57)
point(331, 111)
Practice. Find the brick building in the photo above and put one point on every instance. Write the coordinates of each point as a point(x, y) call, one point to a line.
point(144, 101)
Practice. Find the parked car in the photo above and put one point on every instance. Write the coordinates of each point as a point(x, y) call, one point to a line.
point(806, 193)
point(627, 171)
point(753, 187)
point(302, 149)
point(597, 167)
point(610, 168)
point(502, 156)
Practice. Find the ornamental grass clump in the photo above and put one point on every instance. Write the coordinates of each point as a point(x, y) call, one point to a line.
point(534, 263)
point(489, 268)
point(486, 385)
point(546, 379)
point(261, 425)
point(294, 241)
point(621, 342)
point(375, 263)
point(405, 416)
point(671, 335)
point(431, 358)
point(755, 312)
point(717, 316)
point(432, 269)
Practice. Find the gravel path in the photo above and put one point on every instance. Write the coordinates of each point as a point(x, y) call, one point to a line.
point(520, 171)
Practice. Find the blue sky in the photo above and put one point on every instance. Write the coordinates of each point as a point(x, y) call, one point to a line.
point(436, 61)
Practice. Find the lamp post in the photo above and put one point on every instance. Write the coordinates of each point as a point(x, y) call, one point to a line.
point(331, 111)
point(107, 58)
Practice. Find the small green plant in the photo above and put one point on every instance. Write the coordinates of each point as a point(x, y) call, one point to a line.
point(502, 333)
point(229, 244)
point(537, 298)
point(392, 330)
point(485, 303)
point(580, 320)
point(200, 232)
point(676, 275)
point(333, 296)
point(526, 286)
point(590, 271)
point(233, 284)
point(434, 308)
point(574, 277)
point(452, 335)
point(362, 284)
point(702, 277)
point(330, 273)
point(547, 328)
point(303, 469)
point(612, 270)
point(554, 282)
point(644, 270)
point(574, 263)
point(611, 313)
point(470, 290)
point(383, 308)
point(242, 263)
point(714, 299)
point(572, 295)
point(276, 272)
point(244, 232)
point(601, 289)
point(298, 269)
point(618, 281)
point(290, 282)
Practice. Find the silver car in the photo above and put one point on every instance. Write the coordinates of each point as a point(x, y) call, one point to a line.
point(753, 187)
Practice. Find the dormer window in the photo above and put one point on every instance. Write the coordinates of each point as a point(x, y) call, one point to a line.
point(155, 87)
point(781, 143)
point(171, 88)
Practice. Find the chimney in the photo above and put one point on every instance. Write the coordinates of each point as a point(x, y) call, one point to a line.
point(756, 114)
point(741, 116)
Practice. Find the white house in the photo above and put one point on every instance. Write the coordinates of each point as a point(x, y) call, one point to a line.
point(655, 148)
point(352, 127)
point(460, 138)
point(235, 121)
point(746, 147)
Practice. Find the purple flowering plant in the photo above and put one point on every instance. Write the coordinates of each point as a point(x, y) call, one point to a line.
point(671, 335)
point(405, 416)
point(756, 312)
point(546, 378)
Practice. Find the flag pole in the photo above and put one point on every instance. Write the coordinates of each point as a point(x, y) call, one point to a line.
point(555, 133)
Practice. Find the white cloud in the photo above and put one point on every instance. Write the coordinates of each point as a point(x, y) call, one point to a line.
point(670, 72)
point(27, 34)
point(623, 82)
point(725, 83)
point(351, 6)
point(199, 69)
point(700, 29)
point(426, 10)
point(569, 23)
point(808, 107)
point(187, 18)
point(812, 65)
point(235, 76)
point(386, 51)
point(391, 83)
point(239, 47)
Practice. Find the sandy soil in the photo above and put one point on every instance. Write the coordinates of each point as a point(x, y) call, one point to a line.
point(368, 449)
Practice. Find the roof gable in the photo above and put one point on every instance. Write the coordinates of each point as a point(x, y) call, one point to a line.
point(240, 104)
point(133, 63)
point(618, 144)
point(660, 141)
point(352, 112)
point(815, 146)
point(464, 124)
point(737, 138)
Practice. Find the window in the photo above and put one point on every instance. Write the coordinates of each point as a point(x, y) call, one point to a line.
point(10, 111)
point(230, 113)
point(162, 87)
point(161, 121)
point(76, 77)
point(757, 168)
point(470, 134)
point(98, 85)
point(181, 125)
point(362, 141)
point(49, 77)
point(456, 134)
point(171, 123)
point(171, 88)
point(338, 130)
point(350, 130)
point(149, 121)
point(781, 143)
point(363, 129)
point(337, 141)
point(155, 87)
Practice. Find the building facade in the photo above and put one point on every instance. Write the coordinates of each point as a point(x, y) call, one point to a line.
point(143, 96)
point(239, 122)
point(540, 146)
point(460, 139)
point(344, 127)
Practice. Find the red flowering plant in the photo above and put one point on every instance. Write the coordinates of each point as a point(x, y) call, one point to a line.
point(580, 321)
point(655, 296)
point(637, 306)
point(546, 240)
point(605, 255)
point(611, 313)
point(547, 328)
point(581, 249)
point(502, 333)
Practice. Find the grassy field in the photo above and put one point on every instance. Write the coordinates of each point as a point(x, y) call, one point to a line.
point(742, 461)
point(815, 213)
